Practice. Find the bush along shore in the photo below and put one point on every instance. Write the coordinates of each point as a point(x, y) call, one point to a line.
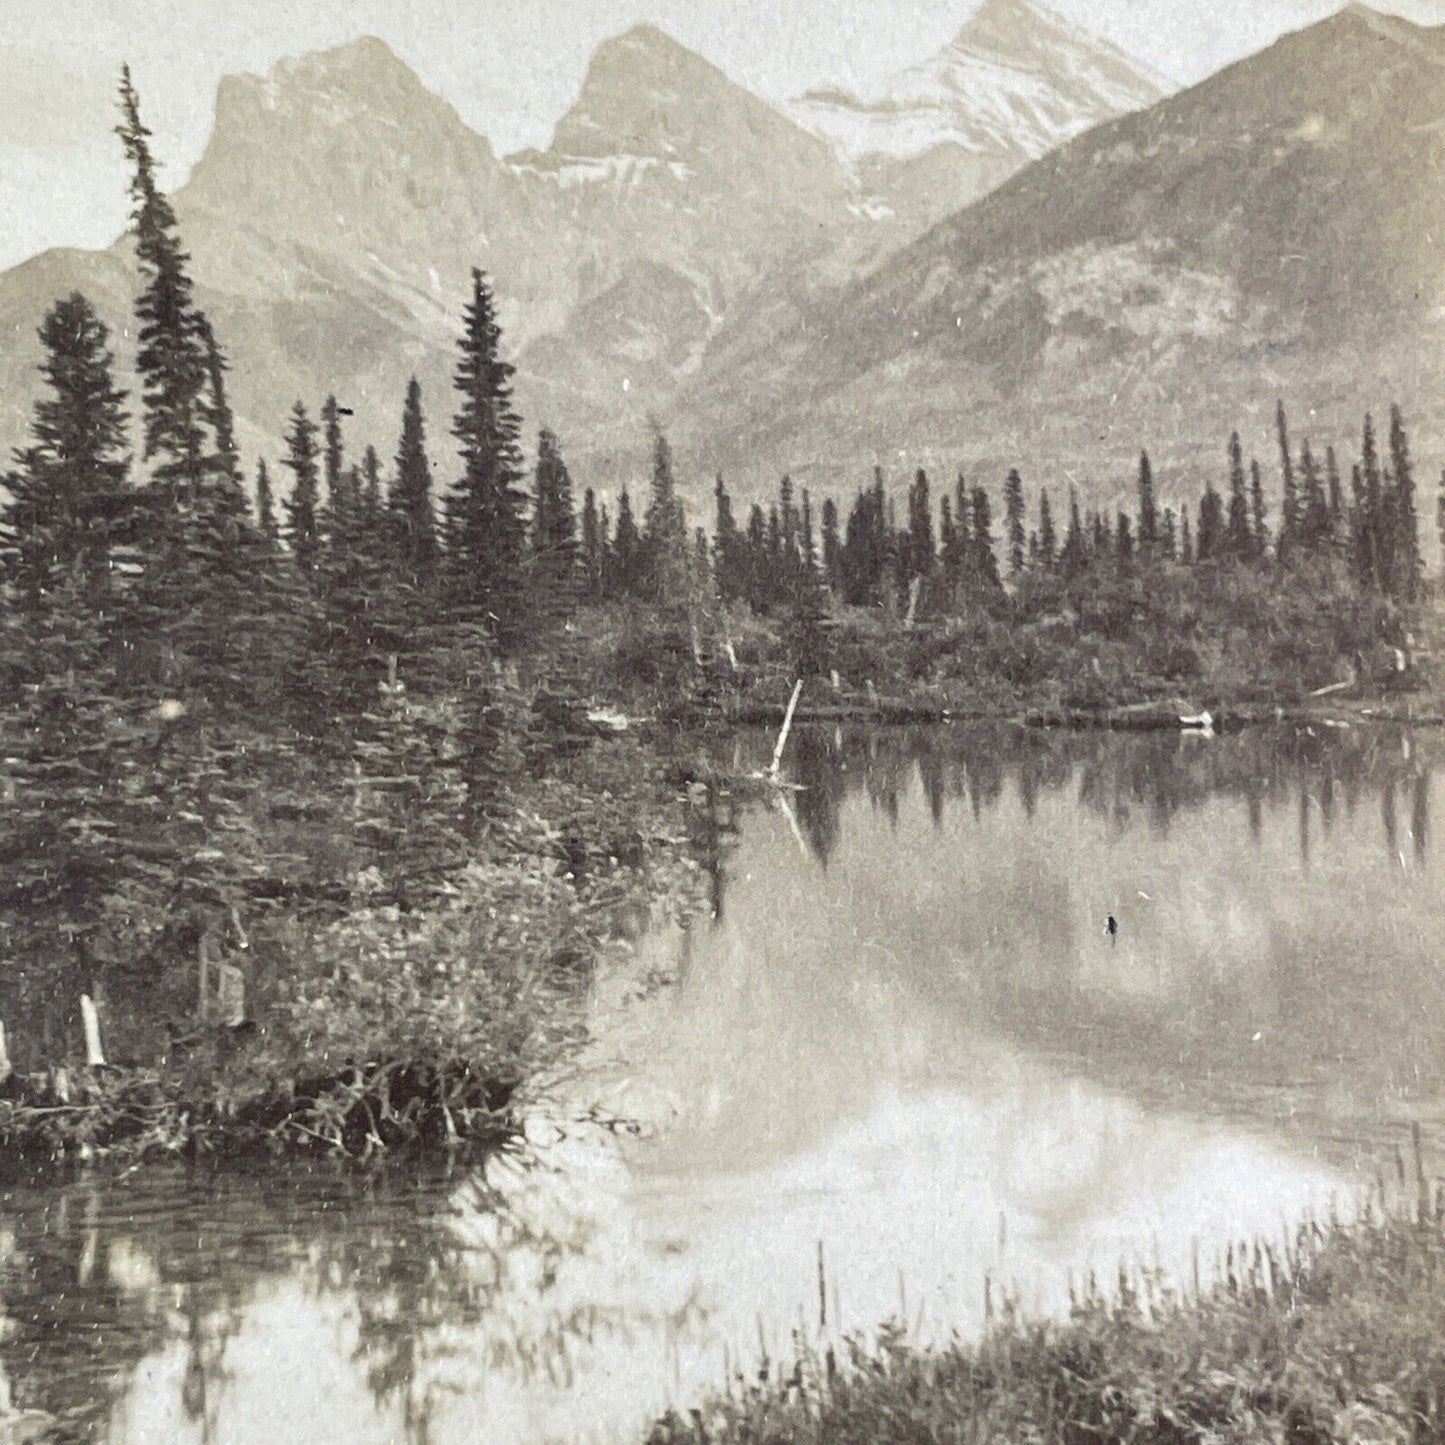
point(1335, 1334)
point(396, 1012)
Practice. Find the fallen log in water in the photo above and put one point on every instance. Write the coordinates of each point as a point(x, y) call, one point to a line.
point(1143, 718)
point(881, 710)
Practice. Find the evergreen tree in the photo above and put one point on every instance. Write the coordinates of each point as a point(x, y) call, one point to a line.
point(947, 538)
point(1289, 517)
point(1336, 493)
point(807, 542)
point(69, 499)
point(409, 504)
point(1124, 542)
point(1210, 537)
point(1148, 510)
point(266, 504)
point(594, 547)
point(664, 531)
point(301, 460)
point(365, 617)
point(1074, 557)
point(1169, 538)
point(985, 563)
point(773, 586)
point(1374, 532)
point(1186, 542)
point(702, 577)
point(729, 567)
point(1314, 508)
point(865, 547)
point(963, 529)
point(1406, 578)
point(1103, 538)
point(787, 518)
point(626, 554)
point(1014, 519)
point(484, 508)
point(832, 546)
point(171, 354)
point(333, 459)
point(1260, 529)
point(1238, 539)
point(216, 409)
point(368, 488)
point(604, 551)
point(918, 551)
point(1048, 542)
point(1361, 558)
point(554, 526)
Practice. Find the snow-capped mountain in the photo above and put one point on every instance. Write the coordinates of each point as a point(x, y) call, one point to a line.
point(1014, 83)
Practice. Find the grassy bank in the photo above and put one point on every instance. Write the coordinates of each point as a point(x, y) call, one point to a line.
point(1337, 1335)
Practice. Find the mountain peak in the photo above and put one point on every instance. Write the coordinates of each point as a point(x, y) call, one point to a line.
point(647, 96)
point(1358, 15)
point(1027, 33)
point(358, 105)
point(1014, 82)
point(648, 39)
point(365, 67)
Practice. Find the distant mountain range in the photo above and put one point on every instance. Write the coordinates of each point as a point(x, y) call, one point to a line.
point(1019, 251)
point(339, 205)
point(1278, 230)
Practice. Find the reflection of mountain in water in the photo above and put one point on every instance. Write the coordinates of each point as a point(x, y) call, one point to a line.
point(1278, 915)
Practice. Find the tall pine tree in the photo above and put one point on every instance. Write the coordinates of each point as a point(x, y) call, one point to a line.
point(554, 529)
point(409, 506)
point(1148, 510)
point(302, 452)
point(1239, 538)
point(664, 529)
point(69, 498)
point(1013, 494)
point(484, 510)
point(171, 353)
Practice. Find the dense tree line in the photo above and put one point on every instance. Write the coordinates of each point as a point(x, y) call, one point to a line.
point(953, 558)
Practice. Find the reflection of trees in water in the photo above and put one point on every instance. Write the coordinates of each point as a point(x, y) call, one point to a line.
point(819, 767)
point(98, 1280)
point(1117, 777)
point(1362, 999)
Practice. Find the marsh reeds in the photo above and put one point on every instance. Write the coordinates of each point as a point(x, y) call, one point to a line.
point(1334, 1331)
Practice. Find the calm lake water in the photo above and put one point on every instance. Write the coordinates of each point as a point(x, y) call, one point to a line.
point(907, 1042)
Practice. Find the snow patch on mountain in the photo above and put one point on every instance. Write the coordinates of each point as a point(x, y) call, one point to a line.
point(1017, 80)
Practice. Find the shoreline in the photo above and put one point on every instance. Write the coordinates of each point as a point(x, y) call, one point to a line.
point(374, 1106)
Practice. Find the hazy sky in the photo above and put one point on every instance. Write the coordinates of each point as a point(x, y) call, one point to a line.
point(509, 66)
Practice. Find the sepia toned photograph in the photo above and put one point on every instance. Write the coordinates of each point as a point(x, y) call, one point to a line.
point(722, 722)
